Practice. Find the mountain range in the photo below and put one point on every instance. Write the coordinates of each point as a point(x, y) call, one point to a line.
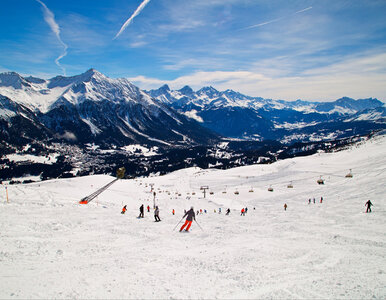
point(89, 123)
point(235, 115)
point(91, 108)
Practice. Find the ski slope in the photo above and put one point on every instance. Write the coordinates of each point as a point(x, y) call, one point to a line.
point(53, 247)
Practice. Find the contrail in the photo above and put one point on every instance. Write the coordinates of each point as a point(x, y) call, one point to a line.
point(262, 24)
point(129, 20)
point(303, 10)
point(49, 17)
point(275, 20)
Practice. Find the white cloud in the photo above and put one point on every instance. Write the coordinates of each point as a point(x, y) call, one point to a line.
point(357, 77)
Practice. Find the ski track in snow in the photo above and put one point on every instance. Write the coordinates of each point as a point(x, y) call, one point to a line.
point(53, 247)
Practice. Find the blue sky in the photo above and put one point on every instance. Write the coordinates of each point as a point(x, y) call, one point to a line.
point(306, 49)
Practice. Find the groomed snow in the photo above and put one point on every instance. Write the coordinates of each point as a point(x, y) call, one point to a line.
point(53, 247)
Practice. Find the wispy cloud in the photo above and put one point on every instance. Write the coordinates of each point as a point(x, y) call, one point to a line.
point(49, 17)
point(278, 19)
point(130, 20)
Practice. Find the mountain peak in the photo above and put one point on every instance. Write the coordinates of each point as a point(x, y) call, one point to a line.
point(12, 79)
point(91, 73)
point(186, 90)
point(61, 81)
point(165, 88)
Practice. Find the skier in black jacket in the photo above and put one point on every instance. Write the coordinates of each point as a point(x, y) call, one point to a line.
point(368, 204)
point(189, 219)
point(141, 212)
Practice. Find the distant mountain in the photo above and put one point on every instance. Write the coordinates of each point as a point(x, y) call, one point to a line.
point(236, 115)
point(19, 125)
point(92, 108)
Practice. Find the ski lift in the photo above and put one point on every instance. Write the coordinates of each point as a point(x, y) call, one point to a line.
point(320, 180)
point(349, 175)
point(211, 193)
point(236, 192)
point(270, 189)
point(224, 192)
point(290, 186)
point(251, 190)
point(193, 193)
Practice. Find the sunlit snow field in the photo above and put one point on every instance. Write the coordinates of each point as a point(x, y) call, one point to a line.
point(53, 247)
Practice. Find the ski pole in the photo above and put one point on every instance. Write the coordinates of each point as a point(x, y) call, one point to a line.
point(177, 224)
point(198, 225)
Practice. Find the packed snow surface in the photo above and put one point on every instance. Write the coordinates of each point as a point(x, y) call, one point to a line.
point(54, 247)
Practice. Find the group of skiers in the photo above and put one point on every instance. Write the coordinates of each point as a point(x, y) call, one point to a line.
point(141, 212)
point(191, 216)
point(320, 201)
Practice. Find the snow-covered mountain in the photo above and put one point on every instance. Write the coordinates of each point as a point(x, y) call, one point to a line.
point(236, 115)
point(91, 107)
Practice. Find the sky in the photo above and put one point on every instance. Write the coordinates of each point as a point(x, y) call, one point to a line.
point(317, 50)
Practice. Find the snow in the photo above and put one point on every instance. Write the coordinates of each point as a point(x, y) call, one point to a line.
point(50, 159)
point(94, 129)
point(6, 114)
point(53, 247)
point(295, 125)
point(193, 115)
point(137, 149)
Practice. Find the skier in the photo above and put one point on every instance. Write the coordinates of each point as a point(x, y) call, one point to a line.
point(148, 208)
point(141, 215)
point(246, 209)
point(156, 214)
point(228, 212)
point(123, 210)
point(190, 216)
point(219, 210)
point(285, 206)
point(321, 199)
point(314, 200)
point(309, 201)
point(173, 212)
point(368, 204)
point(242, 212)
